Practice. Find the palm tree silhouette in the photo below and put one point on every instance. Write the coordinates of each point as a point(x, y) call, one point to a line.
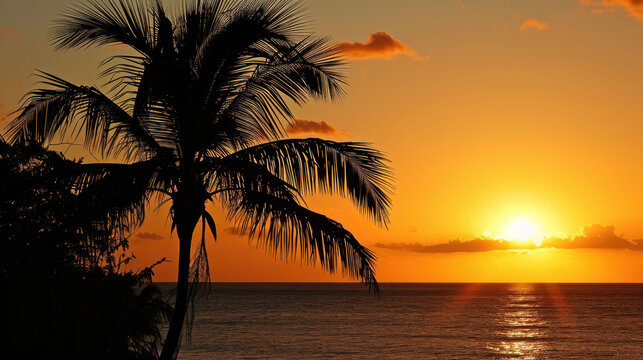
point(198, 115)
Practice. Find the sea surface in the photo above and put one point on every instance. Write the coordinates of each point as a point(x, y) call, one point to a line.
point(418, 321)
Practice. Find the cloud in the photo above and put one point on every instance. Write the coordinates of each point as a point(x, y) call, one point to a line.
point(534, 23)
point(633, 7)
point(11, 33)
point(379, 45)
point(301, 126)
point(148, 236)
point(591, 237)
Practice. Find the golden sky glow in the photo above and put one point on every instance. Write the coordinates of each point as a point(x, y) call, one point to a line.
point(503, 119)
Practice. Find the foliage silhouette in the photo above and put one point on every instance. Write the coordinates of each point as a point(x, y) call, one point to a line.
point(197, 115)
point(64, 293)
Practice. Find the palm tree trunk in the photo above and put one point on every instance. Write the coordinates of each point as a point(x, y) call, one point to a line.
point(184, 228)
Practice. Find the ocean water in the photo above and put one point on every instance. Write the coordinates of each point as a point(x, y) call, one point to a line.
point(419, 321)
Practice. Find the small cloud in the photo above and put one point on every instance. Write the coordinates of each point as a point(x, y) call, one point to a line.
point(148, 236)
point(301, 126)
point(591, 237)
point(379, 45)
point(11, 33)
point(534, 23)
point(633, 7)
point(233, 230)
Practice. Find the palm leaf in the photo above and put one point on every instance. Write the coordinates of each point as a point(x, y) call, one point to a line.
point(53, 111)
point(350, 169)
point(287, 229)
point(118, 193)
point(106, 22)
point(230, 174)
point(254, 108)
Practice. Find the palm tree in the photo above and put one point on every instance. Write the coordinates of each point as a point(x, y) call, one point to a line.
point(197, 115)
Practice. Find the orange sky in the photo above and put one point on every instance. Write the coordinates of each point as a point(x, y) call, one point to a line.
point(489, 110)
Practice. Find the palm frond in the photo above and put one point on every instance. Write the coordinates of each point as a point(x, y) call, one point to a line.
point(52, 111)
point(144, 91)
point(230, 174)
point(252, 104)
point(118, 193)
point(350, 169)
point(313, 67)
point(231, 45)
point(106, 22)
point(200, 267)
point(198, 21)
point(199, 273)
point(287, 229)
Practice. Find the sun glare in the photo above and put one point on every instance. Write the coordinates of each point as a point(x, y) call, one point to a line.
point(521, 229)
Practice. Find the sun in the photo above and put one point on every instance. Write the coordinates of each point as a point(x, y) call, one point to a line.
point(521, 229)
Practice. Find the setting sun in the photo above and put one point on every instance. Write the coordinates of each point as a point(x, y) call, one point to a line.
point(521, 229)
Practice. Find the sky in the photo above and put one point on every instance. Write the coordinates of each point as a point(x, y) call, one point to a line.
point(508, 124)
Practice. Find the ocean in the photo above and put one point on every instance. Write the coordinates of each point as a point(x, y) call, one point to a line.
point(418, 321)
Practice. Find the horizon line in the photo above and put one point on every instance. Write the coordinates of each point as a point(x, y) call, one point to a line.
point(405, 282)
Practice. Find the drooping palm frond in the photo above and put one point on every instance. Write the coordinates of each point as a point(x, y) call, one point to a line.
point(64, 108)
point(350, 169)
point(199, 273)
point(230, 174)
point(119, 193)
point(290, 230)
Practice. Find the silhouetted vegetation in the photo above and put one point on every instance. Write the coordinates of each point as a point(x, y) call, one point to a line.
point(65, 293)
point(197, 114)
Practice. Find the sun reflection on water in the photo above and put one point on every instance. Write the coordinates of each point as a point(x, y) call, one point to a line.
point(520, 326)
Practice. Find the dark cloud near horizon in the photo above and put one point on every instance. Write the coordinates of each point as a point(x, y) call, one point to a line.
point(592, 237)
point(301, 126)
point(148, 236)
